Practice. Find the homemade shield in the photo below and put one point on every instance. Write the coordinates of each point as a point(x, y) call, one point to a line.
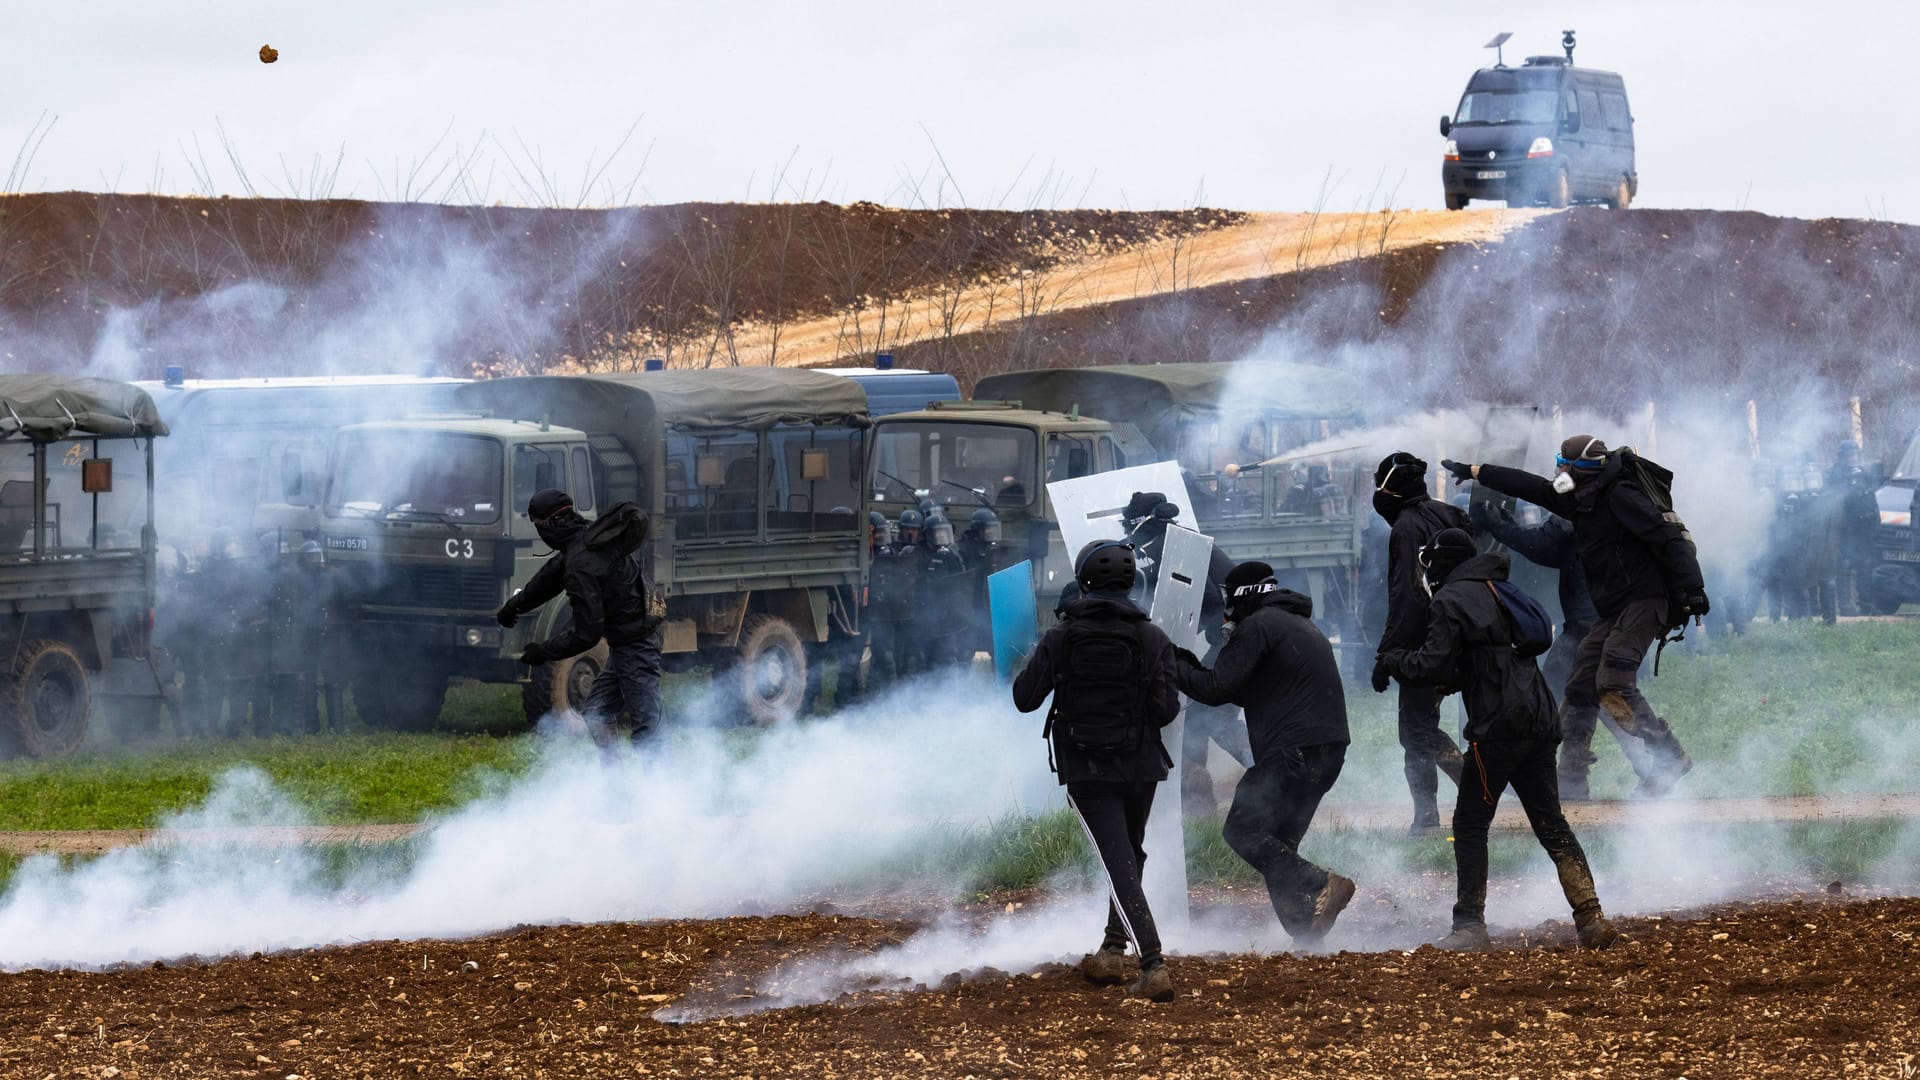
point(1010, 600)
point(1089, 507)
point(1176, 610)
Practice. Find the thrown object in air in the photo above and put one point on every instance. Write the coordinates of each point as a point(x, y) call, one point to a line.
point(268, 54)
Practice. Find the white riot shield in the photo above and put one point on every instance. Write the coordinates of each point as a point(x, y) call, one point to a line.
point(1185, 557)
point(1089, 507)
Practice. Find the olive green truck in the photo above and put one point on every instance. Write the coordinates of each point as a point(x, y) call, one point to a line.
point(750, 476)
point(76, 560)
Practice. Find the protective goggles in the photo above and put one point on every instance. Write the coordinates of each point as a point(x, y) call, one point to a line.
point(1564, 462)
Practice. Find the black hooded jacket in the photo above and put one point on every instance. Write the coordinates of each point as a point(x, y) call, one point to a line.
point(1629, 549)
point(1551, 544)
point(1148, 761)
point(1418, 520)
point(1279, 667)
point(604, 587)
point(1469, 648)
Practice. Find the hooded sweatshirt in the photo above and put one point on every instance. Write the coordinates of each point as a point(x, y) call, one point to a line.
point(605, 592)
point(1416, 519)
point(1277, 666)
point(1469, 648)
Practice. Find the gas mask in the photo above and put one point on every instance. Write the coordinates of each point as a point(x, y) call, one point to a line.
point(1244, 600)
point(1563, 483)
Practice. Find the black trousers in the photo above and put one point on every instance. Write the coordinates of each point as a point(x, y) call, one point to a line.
point(1424, 746)
point(1272, 808)
point(632, 677)
point(1528, 767)
point(1606, 673)
point(1114, 816)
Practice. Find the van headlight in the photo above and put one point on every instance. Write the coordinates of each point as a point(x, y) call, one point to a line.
point(1452, 152)
point(1542, 147)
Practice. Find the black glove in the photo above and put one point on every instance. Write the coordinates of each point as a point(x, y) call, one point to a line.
point(507, 615)
point(1380, 677)
point(1186, 656)
point(1697, 602)
point(1459, 469)
point(533, 655)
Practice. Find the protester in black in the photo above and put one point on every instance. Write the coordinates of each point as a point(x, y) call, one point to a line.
point(1400, 498)
point(1643, 574)
point(1511, 733)
point(1110, 673)
point(1278, 666)
point(593, 564)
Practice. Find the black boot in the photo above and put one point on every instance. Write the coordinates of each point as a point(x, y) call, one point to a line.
point(1424, 785)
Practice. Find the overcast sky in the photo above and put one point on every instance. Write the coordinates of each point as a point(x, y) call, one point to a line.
point(1803, 108)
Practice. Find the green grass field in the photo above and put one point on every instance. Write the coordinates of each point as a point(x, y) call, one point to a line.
point(1786, 710)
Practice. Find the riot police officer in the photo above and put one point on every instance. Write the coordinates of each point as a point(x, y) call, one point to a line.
point(944, 593)
point(892, 586)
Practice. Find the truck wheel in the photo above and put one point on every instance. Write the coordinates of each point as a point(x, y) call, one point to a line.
point(1880, 603)
point(1622, 195)
point(46, 701)
point(1456, 202)
point(771, 674)
point(562, 684)
point(1559, 191)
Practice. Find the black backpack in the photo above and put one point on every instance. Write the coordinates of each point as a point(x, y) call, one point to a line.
point(1098, 693)
point(1656, 481)
point(1532, 629)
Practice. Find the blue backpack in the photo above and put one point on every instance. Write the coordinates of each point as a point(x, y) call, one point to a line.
point(1532, 629)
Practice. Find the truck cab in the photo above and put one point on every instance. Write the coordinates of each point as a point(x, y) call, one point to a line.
point(1545, 133)
point(996, 454)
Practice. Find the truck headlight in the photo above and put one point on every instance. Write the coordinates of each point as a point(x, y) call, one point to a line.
point(474, 637)
point(1452, 152)
point(1542, 147)
point(1896, 517)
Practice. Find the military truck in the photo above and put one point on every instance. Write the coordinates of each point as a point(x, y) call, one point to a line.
point(751, 477)
point(964, 455)
point(76, 558)
point(1216, 419)
point(247, 454)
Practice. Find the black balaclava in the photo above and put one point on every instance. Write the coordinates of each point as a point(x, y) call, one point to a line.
point(1445, 552)
point(1247, 586)
point(1399, 479)
point(554, 517)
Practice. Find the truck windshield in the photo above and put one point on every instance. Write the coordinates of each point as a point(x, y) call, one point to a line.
point(1508, 107)
point(416, 475)
point(957, 463)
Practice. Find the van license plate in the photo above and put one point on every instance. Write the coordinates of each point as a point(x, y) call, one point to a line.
point(1891, 555)
point(1492, 174)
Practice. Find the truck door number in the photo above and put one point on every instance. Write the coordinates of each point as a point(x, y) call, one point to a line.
point(459, 549)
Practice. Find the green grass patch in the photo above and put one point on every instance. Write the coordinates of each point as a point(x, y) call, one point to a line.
point(335, 779)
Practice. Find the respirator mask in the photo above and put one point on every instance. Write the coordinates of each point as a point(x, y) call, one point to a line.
point(1243, 600)
point(1563, 483)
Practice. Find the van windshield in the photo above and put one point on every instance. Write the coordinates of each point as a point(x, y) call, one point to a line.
point(1508, 107)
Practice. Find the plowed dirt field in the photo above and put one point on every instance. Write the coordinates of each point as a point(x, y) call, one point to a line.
point(1800, 988)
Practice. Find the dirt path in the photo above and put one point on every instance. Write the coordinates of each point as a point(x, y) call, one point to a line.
point(1805, 988)
point(1264, 245)
point(1354, 816)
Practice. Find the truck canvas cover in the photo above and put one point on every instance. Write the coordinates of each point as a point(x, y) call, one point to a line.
point(1157, 398)
point(49, 407)
point(728, 399)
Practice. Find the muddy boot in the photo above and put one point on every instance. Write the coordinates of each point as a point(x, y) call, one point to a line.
point(1106, 967)
point(1663, 776)
point(1596, 932)
point(1467, 937)
point(1328, 903)
point(1196, 793)
point(1154, 983)
point(1452, 763)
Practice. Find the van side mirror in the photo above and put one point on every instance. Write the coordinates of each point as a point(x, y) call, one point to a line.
point(1571, 123)
point(1446, 126)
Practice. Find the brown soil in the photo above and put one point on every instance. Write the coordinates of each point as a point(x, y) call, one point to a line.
point(1778, 989)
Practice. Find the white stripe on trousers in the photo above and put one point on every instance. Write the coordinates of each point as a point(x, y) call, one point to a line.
point(1112, 895)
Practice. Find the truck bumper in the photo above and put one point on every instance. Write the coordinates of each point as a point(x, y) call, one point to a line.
point(1518, 180)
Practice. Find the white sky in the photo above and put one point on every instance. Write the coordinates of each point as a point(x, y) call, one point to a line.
point(1804, 109)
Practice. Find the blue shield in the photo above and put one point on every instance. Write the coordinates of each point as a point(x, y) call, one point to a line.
point(1010, 599)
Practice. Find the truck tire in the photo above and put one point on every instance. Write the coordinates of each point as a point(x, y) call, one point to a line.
point(771, 672)
point(1622, 195)
point(45, 702)
point(561, 685)
point(1456, 202)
